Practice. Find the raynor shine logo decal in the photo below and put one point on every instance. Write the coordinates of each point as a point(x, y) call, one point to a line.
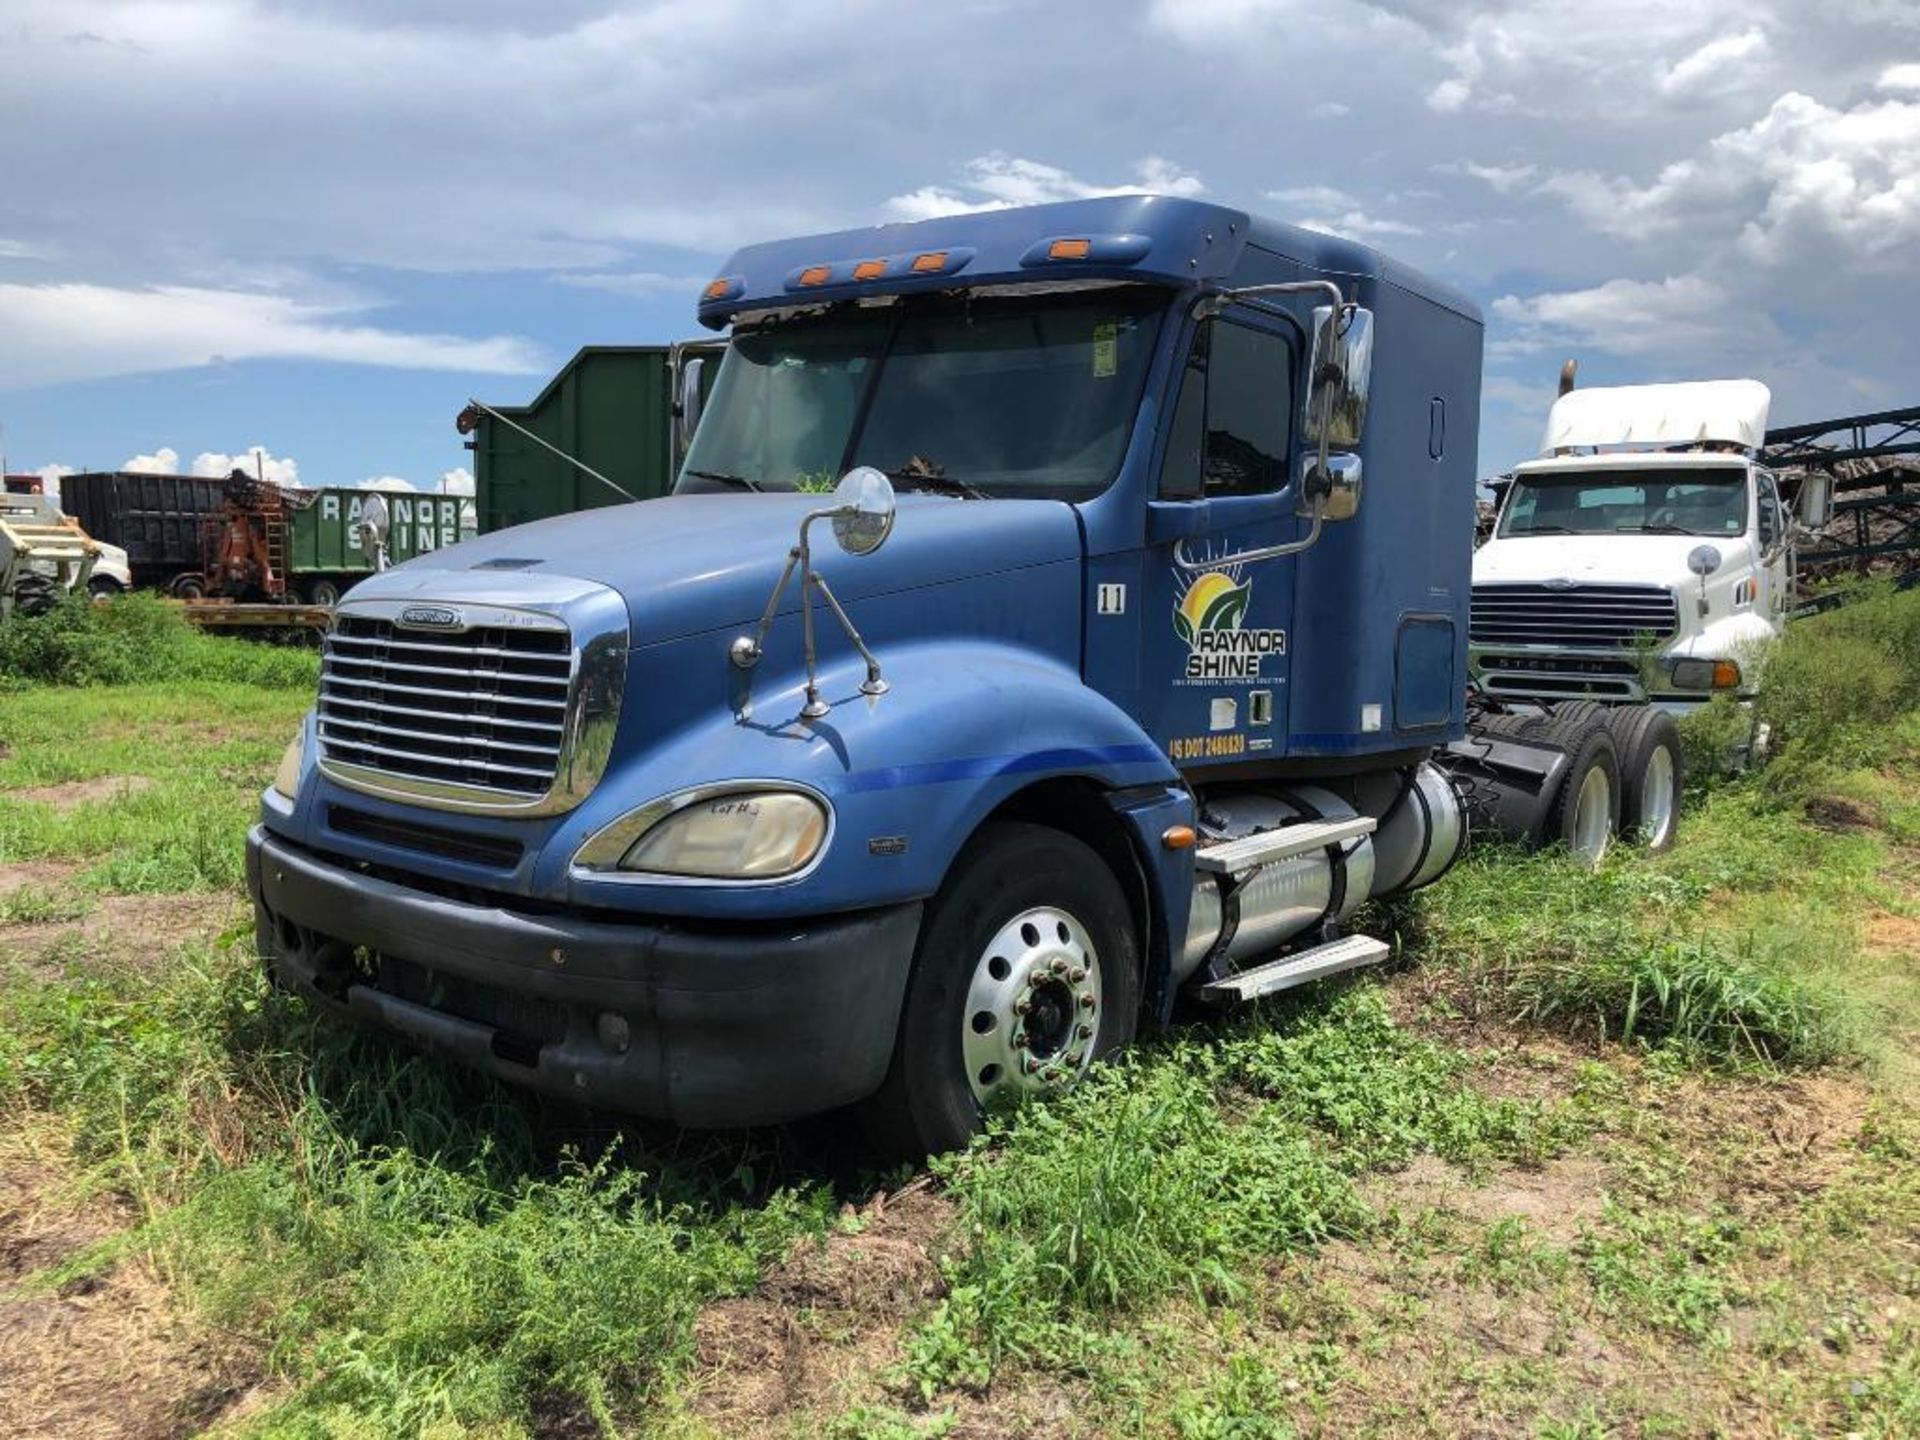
point(1209, 617)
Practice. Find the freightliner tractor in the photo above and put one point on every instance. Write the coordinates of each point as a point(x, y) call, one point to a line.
point(1059, 611)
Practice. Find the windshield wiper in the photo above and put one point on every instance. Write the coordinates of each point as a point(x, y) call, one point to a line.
point(740, 481)
point(1665, 527)
point(910, 477)
point(1544, 530)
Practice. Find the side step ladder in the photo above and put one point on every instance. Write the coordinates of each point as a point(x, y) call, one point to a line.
point(1269, 847)
point(1321, 961)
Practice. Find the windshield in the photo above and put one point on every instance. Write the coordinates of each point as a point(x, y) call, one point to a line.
point(1628, 502)
point(1015, 395)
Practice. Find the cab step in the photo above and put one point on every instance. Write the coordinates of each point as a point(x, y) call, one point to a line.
point(1351, 953)
point(1265, 847)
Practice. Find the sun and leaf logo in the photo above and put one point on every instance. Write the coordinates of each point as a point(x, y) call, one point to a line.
point(1215, 600)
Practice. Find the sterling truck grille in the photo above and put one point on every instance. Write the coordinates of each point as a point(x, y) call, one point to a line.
point(483, 709)
point(1585, 617)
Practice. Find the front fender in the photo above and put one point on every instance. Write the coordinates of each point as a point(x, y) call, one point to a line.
point(909, 774)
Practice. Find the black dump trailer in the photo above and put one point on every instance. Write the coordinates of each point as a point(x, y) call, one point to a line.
point(159, 520)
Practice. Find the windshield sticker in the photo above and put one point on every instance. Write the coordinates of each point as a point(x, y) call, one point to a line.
point(1209, 618)
point(1106, 350)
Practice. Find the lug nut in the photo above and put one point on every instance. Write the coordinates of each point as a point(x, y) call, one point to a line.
point(1085, 1032)
point(1077, 975)
point(1023, 1006)
point(1087, 1001)
point(1032, 1066)
point(1059, 965)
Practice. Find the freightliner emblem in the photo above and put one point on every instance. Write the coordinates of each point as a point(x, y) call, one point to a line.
point(1560, 583)
point(430, 617)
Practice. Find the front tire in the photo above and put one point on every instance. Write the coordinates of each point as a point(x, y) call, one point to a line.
point(1586, 812)
point(1029, 924)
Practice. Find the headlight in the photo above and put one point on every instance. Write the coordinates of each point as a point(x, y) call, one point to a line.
point(287, 778)
point(736, 835)
point(1706, 675)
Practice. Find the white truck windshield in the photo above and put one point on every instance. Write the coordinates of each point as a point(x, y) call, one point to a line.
point(1628, 502)
point(1017, 395)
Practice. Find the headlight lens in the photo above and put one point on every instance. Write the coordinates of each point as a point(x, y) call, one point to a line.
point(1706, 675)
point(759, 835)
point(286, 779)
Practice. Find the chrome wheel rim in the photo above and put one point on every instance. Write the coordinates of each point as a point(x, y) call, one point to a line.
point(1592, 818)
point(1656, 797)
point(1033, 1006)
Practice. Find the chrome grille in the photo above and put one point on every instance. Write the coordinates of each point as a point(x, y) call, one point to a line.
point(484, 708)
point(1585, 616)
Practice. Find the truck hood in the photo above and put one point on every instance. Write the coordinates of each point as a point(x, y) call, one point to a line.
point(689, 563)
point(1600, 559)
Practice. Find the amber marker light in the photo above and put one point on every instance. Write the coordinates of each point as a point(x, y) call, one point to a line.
point(1069, 249)
point(869, 269)
point(1177, 837)
point(930, 262)
point(1726, 675)
point(815, 274)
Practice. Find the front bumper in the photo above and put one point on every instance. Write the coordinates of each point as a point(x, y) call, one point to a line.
point(753, 1025)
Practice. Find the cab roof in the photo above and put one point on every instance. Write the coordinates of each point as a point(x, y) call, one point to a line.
point(1155, 239)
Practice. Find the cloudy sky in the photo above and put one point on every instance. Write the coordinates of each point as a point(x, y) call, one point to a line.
point(318, 228)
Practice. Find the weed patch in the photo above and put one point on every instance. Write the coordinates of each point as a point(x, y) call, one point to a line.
point(138, 638)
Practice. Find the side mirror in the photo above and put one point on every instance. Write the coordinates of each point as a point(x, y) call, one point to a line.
point(689, 401)
point(1342, 362)
point(1814, 504)
point(863, 509)
point(1341, 485)
point(375, 521)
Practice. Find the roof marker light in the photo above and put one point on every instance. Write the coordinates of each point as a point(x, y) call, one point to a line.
point(727, 287)
point(1069, 249)
point(869, 269)
point(930, 263)
point(815, 274)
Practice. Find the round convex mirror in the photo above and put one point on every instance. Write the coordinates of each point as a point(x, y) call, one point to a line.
point(1703, 560)
point(863, 510)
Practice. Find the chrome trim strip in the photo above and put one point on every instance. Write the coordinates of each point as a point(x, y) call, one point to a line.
point(598, 857)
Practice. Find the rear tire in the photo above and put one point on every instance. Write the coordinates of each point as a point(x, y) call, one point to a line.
point(1650, 775)
point(322, 592)
point(1586, 812)
point(35, 594)
point(105, 587)
point(189, 587)
point(1024, 911)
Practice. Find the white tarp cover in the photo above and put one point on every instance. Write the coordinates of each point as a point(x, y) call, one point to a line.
point(1732, 412)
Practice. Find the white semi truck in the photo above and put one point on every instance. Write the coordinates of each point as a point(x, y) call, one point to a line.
point(1644, 558)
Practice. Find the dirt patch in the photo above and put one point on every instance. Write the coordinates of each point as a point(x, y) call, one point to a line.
point(75, 793)
point(136, 930)
point(33, 874)
point(1555, 1200)
point(106, 1355)
point(1886, 934)
point(1835, 812)
point(831, 1310)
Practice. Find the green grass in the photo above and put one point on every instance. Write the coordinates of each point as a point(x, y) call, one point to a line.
point(414, 1249)
point(139, 638)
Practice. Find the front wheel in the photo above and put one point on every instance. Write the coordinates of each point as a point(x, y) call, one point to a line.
point(1027, 972)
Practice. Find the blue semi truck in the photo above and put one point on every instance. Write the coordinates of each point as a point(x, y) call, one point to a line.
point(1059, 610)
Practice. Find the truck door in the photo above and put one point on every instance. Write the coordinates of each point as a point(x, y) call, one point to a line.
point(1214, 629)
point(1775, 569)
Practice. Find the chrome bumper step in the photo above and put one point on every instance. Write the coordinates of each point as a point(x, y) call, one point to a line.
point(1352, 953)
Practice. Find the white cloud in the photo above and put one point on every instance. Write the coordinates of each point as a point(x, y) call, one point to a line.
point(1330, 110)
point(1336, 212)
point(386, 482)
point(998, 182)
point(255, 460)
point(1449, 97)
point(65, 332)
point(1900, 77)
point(1805, 181)
point(22, 250)
point(457, 481)
point(1680, 317)
point(1726, 63)
point(164, 461)
point(1502, 179)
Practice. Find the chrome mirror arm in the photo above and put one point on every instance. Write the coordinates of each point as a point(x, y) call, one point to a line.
point(1317, 482)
